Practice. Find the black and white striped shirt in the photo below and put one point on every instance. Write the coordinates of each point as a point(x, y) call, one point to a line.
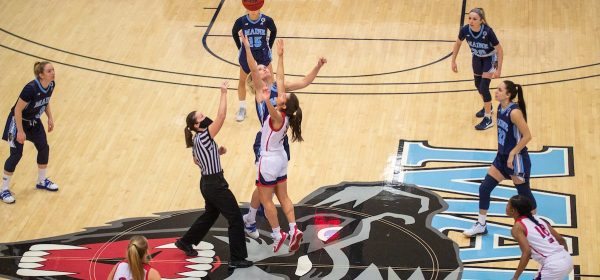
point(206, 152)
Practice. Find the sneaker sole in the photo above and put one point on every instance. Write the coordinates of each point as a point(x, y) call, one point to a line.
point(491, 125)
point(295, 244)
point(252, 234)
point(44, 188)
point(481, 233)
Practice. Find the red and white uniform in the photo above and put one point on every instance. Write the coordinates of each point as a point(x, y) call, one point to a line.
point(545, 249)
point(124, 273)
point(273, 162)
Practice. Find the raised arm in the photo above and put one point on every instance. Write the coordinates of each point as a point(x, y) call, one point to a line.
point(306, 80)
point(215, 127)
point(519, 235)
point(256, 80)
point(276, 118)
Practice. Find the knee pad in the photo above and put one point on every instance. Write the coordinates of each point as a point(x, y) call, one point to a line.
point(43, 154)
point(525, 190)
point(13, 159)
point(484, 89)
point(477, 81)
point(485, 190)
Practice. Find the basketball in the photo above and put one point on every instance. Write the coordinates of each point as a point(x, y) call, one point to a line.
point(253, 5)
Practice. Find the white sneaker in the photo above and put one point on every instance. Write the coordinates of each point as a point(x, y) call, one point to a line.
point(476, 230)
point(240, 115)
point(250, 228)
point(47, 185)
point(7, 197)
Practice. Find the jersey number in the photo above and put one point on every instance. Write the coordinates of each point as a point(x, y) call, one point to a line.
point(541, 229)
point(501, 136)
point(255, 42)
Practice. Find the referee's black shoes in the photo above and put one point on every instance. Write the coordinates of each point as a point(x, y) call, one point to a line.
point(187, 248)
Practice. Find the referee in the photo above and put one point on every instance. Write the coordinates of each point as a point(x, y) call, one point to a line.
point(213, 186)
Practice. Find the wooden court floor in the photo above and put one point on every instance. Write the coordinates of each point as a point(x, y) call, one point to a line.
point(128, 72)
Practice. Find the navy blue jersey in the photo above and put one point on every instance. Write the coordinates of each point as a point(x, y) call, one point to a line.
point(256, 31)
point(481, 43)
point(37, 99)
point(261, 108)
point(508, 133)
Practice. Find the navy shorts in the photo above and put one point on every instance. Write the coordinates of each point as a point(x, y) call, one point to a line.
point(262, 56)
point(34, 132)
point(521, 164)
point(256, 147)
point(484, 64)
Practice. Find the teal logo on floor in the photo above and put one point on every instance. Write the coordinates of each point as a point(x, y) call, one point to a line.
point(466, 169)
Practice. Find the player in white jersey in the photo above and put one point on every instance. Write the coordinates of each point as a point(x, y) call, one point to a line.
point(273, 161)
point(265, 76)
point(135, 266)
point(538, 240)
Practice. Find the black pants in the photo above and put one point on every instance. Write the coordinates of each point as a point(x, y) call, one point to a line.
point(34, 132)
point(219, 199)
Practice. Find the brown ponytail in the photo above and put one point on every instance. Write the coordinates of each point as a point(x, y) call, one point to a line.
point(516, 90)
point(190, 121)
point(294, 113)
point(138, 246)
point(38, 68)
point(250, 84)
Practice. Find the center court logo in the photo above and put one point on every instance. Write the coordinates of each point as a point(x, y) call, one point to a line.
point(352, 231)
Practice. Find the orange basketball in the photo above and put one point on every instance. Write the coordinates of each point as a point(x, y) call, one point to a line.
point(253, 5)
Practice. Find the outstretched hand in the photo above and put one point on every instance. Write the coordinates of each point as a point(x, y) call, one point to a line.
point(322, 61)
point(224, 86)
point(279, 44)
point(243, 38)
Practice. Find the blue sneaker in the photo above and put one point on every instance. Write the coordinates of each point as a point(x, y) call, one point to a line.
point(481, 113)
point(47, 185)
point(250, 228)
point(7, 197)
point(485, 124)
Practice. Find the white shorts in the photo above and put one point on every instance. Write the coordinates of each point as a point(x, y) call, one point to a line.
point(271, 168)
point(556, 267)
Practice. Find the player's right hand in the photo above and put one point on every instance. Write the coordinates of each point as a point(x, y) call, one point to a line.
point(224, 86)
point(244, 38)
point(279, 44)
point(21, 137)
point(321, 61)
point(454, 67)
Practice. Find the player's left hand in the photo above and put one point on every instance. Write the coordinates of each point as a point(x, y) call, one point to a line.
point(279, 44)
point(222, 150)
point(50, 124)
point(509, 162)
